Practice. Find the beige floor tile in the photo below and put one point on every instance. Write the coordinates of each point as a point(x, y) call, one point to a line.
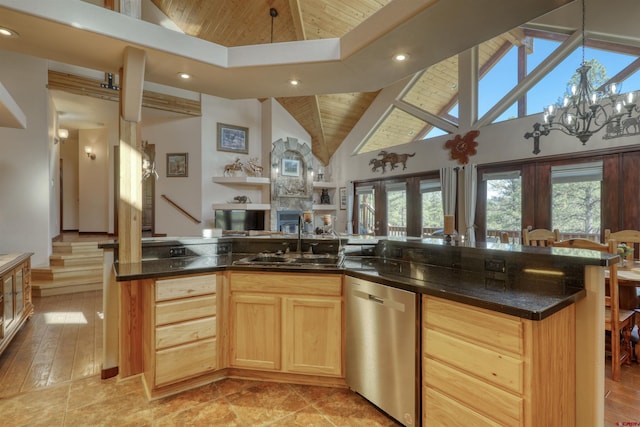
point(265, 403)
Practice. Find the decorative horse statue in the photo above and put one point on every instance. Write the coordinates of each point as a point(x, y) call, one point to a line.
point(253, 168)
point(232, 167)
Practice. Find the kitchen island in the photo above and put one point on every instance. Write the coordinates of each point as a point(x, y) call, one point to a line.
point(538, 295)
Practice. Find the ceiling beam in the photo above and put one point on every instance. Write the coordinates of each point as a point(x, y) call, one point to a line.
point(532, 79)
point(90, 87)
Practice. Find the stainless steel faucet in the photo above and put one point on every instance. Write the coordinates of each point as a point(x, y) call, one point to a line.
point(300, 223)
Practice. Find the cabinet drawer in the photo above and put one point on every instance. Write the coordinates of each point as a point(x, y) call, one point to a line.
point(185, 361)
point(490, 365)
point(180, 333)
point(442, 411)
point(303, 284)
point(185, 287)
point(185, 309)
point(489, 328)
point(503, 406)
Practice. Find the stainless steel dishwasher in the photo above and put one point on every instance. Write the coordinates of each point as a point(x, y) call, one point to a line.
point(383, 348)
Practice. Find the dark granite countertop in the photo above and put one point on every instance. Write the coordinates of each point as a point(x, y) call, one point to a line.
point(468, 287)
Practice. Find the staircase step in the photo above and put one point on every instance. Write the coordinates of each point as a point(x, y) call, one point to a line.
point(43, 288)
point(70, 260)
point(75, 248)
point(58, 273)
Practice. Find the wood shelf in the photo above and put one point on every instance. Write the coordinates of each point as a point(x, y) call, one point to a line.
point(322, 184)
point(242, 206)
point(242, 180)
point(324, 207)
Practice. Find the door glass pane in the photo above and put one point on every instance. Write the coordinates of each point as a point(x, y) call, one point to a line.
point(504, 208)
point(397, 212)
point(366, 211)
point(432, 213)
point(576, 209)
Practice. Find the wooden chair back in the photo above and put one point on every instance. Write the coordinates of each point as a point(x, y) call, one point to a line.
point(539, 237)
point(630, 238)
point(618, 322)
point(504, 237)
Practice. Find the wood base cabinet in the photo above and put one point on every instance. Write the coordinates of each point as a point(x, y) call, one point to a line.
point(15, 295)
point(484, 368)
point(287, 322)
point(181, 330)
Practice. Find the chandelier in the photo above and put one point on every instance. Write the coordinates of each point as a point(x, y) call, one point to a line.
point(584, 111)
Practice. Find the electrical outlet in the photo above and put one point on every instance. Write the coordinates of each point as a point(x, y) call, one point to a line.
point(177, 251)
point(497, 265)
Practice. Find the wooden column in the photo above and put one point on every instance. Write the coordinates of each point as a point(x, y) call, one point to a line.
point(130, 210)
point(590, 369)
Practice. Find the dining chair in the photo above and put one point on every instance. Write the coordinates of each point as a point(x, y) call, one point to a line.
point(618, 322)
point(539, 236)
point(628, 237)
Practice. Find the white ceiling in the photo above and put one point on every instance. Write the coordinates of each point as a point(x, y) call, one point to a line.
point(79, 33)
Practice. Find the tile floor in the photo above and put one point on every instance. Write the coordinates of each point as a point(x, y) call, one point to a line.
point(229, 402)
point(50, 376)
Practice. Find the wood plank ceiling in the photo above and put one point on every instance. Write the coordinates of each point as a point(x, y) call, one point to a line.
point(328, 118)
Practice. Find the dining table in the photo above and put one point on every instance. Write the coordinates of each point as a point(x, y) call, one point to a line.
point(629, 285)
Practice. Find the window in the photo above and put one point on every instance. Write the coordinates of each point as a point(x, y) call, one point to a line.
point(576, 195)
point(432, 212)
point(396, 208)
point(366, 213)
point(504, 203)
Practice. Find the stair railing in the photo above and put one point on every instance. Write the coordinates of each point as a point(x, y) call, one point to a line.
point(182, 211)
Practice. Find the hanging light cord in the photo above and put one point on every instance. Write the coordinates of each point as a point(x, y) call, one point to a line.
point(273, 12)
point(583, 25)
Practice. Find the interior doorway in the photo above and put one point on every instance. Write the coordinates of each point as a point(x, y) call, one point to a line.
point(148, 197)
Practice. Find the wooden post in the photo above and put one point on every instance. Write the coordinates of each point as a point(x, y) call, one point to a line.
point(590, 350)
point(130, 210)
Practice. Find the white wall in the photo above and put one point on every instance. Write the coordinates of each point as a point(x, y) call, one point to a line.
point(54, 169)
point(69, 154)
point(24, 161)
point(246, 113)
point(177, 136)
point(93, 177)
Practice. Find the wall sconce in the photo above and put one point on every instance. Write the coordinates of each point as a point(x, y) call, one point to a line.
point(62, 135)
point(89, 152)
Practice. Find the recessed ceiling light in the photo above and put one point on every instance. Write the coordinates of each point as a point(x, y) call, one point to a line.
point(6, 32)
point(294, 82)
point(401, 57)
point(184, 76)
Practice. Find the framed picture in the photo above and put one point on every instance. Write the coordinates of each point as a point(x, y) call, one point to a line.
point(343, 198)
point(290, 167)
point(233, 138)
point(177, 165)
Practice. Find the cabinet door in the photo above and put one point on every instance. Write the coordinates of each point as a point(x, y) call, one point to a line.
point(19, 293)
point(313, 336)
point(9, 306)
point(255, 331)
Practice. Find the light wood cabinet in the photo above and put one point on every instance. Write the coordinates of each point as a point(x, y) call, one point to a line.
point(287, 322)
point(312, 335)
point(255, 334)
point(487, 369)
point(181, 330)
point(15, 295)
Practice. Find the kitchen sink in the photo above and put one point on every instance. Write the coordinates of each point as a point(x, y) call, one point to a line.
point(292, 260)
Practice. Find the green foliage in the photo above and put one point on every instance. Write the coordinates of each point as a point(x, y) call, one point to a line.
point(504, 204)
point(397, 208)
point(432, 213)
point(576, 207)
